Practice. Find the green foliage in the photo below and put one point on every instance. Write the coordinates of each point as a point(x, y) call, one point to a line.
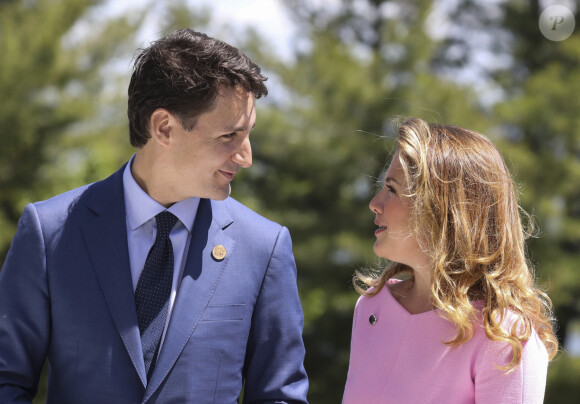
point(52, 83)
point(562, 385)
point(318, 152)
point(544, 145)
point(320, 143)
point(540, 119)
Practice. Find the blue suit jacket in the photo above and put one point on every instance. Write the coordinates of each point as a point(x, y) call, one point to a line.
point(66, 295)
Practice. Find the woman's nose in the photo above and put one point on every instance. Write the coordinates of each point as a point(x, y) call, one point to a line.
point(375, 204)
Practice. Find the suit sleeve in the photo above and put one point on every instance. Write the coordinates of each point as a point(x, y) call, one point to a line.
point(24, 312)
point(524, 385)
point(274, 370)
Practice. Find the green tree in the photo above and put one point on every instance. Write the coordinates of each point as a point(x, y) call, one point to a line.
point(540, 115)
point(53, 82)
point(318, 145)
point(59, 117)
point(535, 124)
point(318, 150)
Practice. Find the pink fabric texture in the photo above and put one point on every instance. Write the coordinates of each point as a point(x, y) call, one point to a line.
point(401, 358)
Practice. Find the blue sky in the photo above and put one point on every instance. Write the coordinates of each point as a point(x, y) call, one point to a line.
point(267, 16)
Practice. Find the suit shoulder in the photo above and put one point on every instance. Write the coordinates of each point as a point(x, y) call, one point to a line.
point(249, 217)
point(106, 191)
point(246, 224)
point(61, 202)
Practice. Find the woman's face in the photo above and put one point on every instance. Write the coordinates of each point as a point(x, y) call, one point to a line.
point(395, 240)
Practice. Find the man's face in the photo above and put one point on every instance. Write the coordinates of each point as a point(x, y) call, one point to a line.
point(205, 160)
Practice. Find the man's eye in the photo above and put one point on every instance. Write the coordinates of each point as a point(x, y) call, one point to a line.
point(391, 189)
point(229, 135)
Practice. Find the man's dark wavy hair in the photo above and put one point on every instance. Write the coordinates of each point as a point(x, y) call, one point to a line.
point(184, 73)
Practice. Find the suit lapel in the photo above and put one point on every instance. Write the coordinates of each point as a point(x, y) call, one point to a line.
point(201, 276)
point(106, 239)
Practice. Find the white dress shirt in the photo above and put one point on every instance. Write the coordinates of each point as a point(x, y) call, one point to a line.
point(141, 210)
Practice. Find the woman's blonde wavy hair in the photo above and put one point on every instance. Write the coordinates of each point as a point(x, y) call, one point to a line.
point(465, 215)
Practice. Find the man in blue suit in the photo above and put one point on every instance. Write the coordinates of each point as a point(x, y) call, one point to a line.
point(153, 285)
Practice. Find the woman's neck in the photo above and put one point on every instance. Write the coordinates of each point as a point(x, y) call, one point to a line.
point(414, 294)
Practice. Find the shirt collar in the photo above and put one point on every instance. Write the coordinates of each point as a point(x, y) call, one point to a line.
point(141, 208)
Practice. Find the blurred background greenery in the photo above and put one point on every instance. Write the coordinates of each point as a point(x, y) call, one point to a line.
point(318, 145)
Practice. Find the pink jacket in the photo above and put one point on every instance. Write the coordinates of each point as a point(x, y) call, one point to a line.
point(401, 358)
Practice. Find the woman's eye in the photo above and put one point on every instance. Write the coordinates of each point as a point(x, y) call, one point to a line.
point(391, 189)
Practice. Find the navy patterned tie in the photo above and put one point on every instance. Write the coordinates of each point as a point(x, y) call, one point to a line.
point(153, 290)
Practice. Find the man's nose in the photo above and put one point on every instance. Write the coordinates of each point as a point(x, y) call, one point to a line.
point(243, 155)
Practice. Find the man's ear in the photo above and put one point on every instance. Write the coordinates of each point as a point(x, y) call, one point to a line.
point(162, 124)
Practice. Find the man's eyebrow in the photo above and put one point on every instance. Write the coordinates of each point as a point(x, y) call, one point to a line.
point(240, 128)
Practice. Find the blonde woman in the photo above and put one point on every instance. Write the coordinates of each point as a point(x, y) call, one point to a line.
point(467, 324)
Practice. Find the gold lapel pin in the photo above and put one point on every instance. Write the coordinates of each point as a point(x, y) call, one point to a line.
point(219, 252)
